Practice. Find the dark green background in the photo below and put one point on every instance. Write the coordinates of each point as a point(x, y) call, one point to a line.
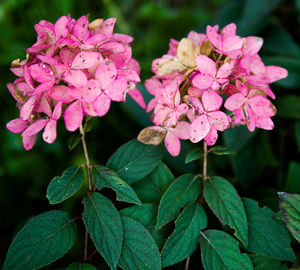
point(265, 162)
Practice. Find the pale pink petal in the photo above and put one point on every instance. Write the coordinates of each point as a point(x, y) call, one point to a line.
point(16, 125)
point(121, 59)
point(35, 128)
point(101, 104)
point(152, 85)
point(211, 101)
point(214, 37)
point(122, 38)
point(196, 104)
point(160, 115)
point(29, 142)
point(172, 144)
point(232, 43)
point(129, 74)
point(239, 117)
point(49, 134)
point(67, 56)
point(195, 92)
point(107, 26)
point(43, 87)
point(27, 77)
point(48, 60)
point(218, 120)
point(152, 103)
point(88, 109)
point(226, 69)
point(43, 106)
point(41, 73)
point(257, 80)
point(76, 78)
point(234, 102)
point(253, 45)
point(112, 47)
point(137, 97)
point(106, 73)
point(254, 64)
point(202, 81)
point(61, 27)
point(211, 137)
point(86, 93)
point(60, 93)
point(97, 39)
point(28, 107)
point(81, 28)
point(229, 30)
point(206, 65)
point(250, 118)
point(182, 130)
point(73, 116)
point(275, 73)
point(86, 59)
point(199, 128)
point(243, 88)
point(264, 123)
point(57, 111)
point(261, 106)
point(116, 89)
point(134, 65)
point(268, 91)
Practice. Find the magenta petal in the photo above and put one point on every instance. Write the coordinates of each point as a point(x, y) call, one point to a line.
point(41, 73)
point(73, 116)
point(106, 73)
point(112, 47)
point(76, 78)
point(87, 93)
point(211, 101)
point(29, 142)
point(43, 87)
point(226, 69)
point(43, 106)
point(60, 93)
point(234, 102)
point(16, 125)
point(122, 38)
point(86, 59)
point(101, 104)
point(97, 39)
point(214, 37)
point(199, 128)
point(35, 128)
point(182, 130)
point(61, 27)
point(121, 59)
point(107, 27)
point(172, 144)
point(137, 97)
point(49, 134)
point(116, 90)
point(57, 111)
point(28, 107)
point(81, 28)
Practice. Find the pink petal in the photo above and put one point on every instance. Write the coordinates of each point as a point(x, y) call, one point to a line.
point(253, 45)
point(152, 85)
point(112, 47)
point(229, 30)
point(195, 92)
point(97, 39)
point(67, 56)
point(27, 77)
point(49, 134)
point(134, 65)
point(88, 109)
point(73, 116)
point(41, 73)
point(211, 101)
point(152, 103)
point(214, 37)
point(211, 137)
point(47, 59)
point(116, 89)
point(28, 107)
point(250, 118)
point(106, 73)
point(232, 43)
point(226, 69)
point(275, 73)
point(87, 93)
point(29, 142)
point(43, 87)
point(234, 102)
point(121, 59)
point(182, 130)
point(107, 27)
point(86, 59)
point(196, 104)
point(61, 27)
point(172, 144)
point(264, 123)
point(261, 106)
point(254, 64)
point(81, 28)
point(218, 120)
point(35, 128)
point(76, 78)
point(202, 81)
point(101, 104)
point(122, 38)
point(60, 93)
point(199, 128)
point(206, 65)
point(43, 106)
point(137, 97)
point(57, 111)
point(16, 125)
point(129, 74)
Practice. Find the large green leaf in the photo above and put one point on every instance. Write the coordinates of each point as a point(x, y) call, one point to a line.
point(267, 236)
point(103, 223)
point(220, 251)
point(153, 186)
point(105, 177)
point(292, 183)
point(227, 205)
point(263, 263)
point(62, 188)
point(146, 214)
point(139, 249)
point(183, 241)
point(290, 209)
point(43, 240)
point(182, 191)
point(134, 160)
point(79, 266)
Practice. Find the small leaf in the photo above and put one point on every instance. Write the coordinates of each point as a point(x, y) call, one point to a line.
point(220, 251)
point(73, 141)
point(226, 204)
point(152, 187)
point(64, 187)
point(221, 150)
point(139, 250)
point(103, 223)
point(88, 125)
point(134, 160)
point(43, 240)
point(267, 236)
point(183, 241)
point(263, 263)
point(290, 209)
point(181, 192)
point(194, 154)
point(105, 177)
point(79, 266)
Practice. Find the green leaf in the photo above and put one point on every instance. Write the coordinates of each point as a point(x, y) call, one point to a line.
point(292, 183)
point(105, 177)
point(139, 250)
point(290, 209)
point(183, 241)
point(79, 266)
point(182, 191)
point(263, 263)
point(227, 205)
point(288, 106)
point(146, 215)
point(103, 223)
point(194, 154)
point(220, 251)
point(267, 236)
point(73, 141)
point(221, 150)
point(134, 160)
point(43, 240)
point(64, 187)
point(152, 187)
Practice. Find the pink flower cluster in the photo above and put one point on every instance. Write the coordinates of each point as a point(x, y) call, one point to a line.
point(75, 68)
point(201, 73)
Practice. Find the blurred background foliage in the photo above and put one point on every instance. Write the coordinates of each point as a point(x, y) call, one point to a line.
point(264, 163)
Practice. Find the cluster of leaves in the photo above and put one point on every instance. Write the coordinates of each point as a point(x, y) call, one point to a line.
point(142, 236)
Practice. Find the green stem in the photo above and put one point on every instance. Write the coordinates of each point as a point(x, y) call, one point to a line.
point(86, 155)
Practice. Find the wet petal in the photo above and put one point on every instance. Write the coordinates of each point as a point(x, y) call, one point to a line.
point(106, 73)
point(73, 116)
point(199, 128)
point(172, 144)
point(101, 104)
point(49, 134)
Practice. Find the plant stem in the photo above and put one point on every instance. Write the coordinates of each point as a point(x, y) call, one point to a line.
point(187, 263)
point(86, 239)
point(204, 174)
point(87, 164)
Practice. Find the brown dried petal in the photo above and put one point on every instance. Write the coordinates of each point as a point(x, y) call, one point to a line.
point(95, 23)
point(206, 48)
point(151, 136)
point(185, 53)
point(169, 67)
